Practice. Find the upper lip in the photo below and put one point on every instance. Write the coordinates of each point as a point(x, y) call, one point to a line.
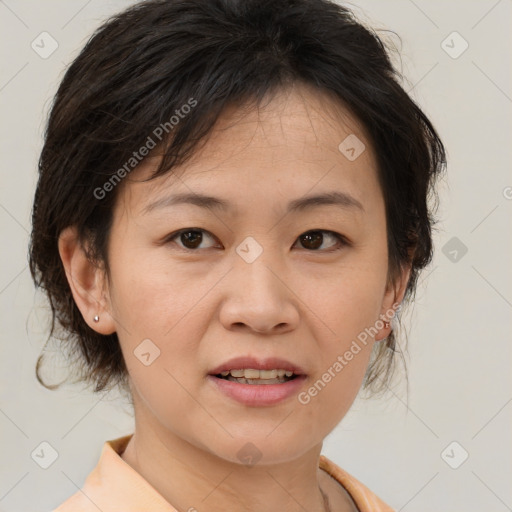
point(248, 362)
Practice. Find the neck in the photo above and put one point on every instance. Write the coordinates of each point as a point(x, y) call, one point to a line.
point(191, 478)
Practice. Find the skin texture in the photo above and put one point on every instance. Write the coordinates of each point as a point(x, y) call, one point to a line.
point(202, 308)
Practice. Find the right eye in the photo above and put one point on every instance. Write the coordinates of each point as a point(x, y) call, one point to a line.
point(189, 238)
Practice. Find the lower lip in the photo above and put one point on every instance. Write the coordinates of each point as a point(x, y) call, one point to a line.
point(258, 395)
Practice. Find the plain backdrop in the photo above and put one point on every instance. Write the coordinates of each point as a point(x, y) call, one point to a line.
point(445, 446)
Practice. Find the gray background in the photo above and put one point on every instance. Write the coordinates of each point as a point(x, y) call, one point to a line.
point(459, 335)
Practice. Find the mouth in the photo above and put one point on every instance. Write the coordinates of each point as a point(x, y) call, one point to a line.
point(255, 382)
point(257, 377)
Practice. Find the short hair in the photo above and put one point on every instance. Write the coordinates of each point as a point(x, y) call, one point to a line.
point(145, 63)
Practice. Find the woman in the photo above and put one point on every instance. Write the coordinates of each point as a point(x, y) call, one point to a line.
point(231, 209)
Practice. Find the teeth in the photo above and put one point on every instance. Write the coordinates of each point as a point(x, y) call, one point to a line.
point(257, 381)
point(255, 374)
point(251, 373)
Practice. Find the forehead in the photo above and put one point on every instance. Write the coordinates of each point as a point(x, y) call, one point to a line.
point(295, 141)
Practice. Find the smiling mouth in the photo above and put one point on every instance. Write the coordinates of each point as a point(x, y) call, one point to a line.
point(253, 376)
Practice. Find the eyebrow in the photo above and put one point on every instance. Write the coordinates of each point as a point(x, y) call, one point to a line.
point(341, 199)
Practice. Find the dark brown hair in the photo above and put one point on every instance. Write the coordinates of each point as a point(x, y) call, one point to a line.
point(144, 64)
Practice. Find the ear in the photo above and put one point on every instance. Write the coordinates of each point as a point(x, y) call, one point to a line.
point(392, 300)
point(87, 282)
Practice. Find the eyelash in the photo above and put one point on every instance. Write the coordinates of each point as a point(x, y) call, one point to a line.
point(342, 241)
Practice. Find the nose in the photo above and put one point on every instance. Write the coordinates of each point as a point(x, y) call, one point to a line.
point(259, 299)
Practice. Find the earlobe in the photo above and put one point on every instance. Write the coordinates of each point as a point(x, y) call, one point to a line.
point(86, 281)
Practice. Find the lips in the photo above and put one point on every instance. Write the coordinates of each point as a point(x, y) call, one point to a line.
point(258, 382)
point(263, 365)
point(258, 394)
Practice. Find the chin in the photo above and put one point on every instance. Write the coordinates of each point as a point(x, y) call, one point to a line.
point(259, 448)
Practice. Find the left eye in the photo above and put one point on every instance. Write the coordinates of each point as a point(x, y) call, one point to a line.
point(313, 240)
point(191, 239)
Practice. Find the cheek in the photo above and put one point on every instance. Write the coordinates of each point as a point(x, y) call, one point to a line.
point(347, 301)
point(328, 397)
point(163, 395)
point(155, 301)
point(348, 309)
point(360, 299)
point(152, 296)
point(361, 287)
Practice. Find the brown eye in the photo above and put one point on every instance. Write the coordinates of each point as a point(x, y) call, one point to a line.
point(313, 240)
point(190, 238)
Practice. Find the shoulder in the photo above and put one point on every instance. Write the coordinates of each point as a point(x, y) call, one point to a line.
point(76, 503)
point(365, 499)
point(105, 484)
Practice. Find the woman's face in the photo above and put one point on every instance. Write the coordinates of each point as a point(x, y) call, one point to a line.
point(258, 274)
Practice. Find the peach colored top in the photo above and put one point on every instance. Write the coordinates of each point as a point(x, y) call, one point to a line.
point(114, 485)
